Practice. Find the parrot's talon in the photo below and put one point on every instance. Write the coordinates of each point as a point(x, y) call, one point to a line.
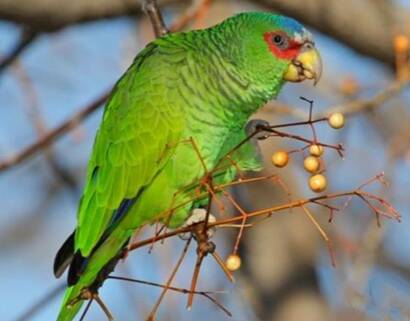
point(198, 215)
point(257, 125)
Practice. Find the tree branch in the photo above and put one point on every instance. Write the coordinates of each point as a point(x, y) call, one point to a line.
point(39, 305)
point(27, 37)
point(150, 7)
point(45, 15)
point(52, 135)
point(362, 105)
point(47, 139)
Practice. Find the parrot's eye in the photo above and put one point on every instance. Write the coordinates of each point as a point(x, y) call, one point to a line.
point(280, 41)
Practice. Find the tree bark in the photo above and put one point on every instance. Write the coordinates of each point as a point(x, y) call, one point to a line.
point(51, 15)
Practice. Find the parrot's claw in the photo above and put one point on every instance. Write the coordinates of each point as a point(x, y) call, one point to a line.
point(256, 124)
point(198, 215)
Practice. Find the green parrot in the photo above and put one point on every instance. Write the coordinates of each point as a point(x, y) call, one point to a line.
point(171, 118)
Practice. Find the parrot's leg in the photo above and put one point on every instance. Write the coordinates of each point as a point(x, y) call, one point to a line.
point(198, 215)
point(92, 295)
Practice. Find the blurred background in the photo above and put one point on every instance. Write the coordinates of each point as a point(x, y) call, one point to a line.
point(58, 58)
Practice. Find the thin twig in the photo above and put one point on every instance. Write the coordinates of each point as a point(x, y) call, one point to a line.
point(38, 123)
point(48, 138)
point(40, 304)
point(205, 294)
point(361, 105)
point(27, 37)
point(350, 108)
point(391, 213)
point(150, 7)
point(194, 12)
point(87, 307)
point(169, 281)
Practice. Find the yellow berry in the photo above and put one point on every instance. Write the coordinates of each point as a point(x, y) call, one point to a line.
point(401, 43)
point(280, 159)
point(311, 164)
point(316, 150)
point(336, 120)
point(317, 183)
point(233, 262)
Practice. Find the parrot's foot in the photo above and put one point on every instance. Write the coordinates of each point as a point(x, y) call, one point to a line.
point(198, 215)
point(255, 125)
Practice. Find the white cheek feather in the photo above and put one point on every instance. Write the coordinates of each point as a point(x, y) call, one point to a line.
point(298, 37)
point(308, 36)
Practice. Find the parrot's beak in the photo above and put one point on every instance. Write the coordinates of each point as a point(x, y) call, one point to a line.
point(306, 65)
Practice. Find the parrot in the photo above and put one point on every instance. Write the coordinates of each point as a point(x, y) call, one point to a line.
point(180, 107)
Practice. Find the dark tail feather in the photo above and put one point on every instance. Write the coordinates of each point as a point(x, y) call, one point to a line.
point(64, 256)
point(77, 267)
point(67, 257)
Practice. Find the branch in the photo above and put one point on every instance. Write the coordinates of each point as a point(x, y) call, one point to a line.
point(388, 211)
point(48, 138)
point(45, 15)
point(43, 301)
point(349, 108)
point(194, 12)
point(150, 7)
point(361, 105)
point(52, 135)
point(26, 38)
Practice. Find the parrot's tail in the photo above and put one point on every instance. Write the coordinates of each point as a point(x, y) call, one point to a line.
point(86, 275)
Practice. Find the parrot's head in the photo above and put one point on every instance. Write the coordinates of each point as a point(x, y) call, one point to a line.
point(273, 48)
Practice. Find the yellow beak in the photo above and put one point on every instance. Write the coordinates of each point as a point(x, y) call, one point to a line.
point(307, 65)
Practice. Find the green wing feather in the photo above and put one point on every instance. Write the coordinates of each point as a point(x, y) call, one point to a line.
point(130, 146)
point(246, 158)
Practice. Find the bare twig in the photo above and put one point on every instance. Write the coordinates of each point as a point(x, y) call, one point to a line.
point(52, 135)
point(150, 7)
point(27, 37)
point(87, 307)
point(34, 112)
point(194, 12)
point(349, 108)
point(169, 281)
point(361, 105)
point(41, 303)
point(388, 212)
point(205, 294)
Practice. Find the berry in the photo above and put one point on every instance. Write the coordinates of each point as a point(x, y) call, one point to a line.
point(311, 164)
point(280, 159)
point(336, 120)
point(316, 150)
point(317, 183)
point(233, 262)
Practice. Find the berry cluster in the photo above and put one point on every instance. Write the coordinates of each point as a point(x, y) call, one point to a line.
point(312, 163)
